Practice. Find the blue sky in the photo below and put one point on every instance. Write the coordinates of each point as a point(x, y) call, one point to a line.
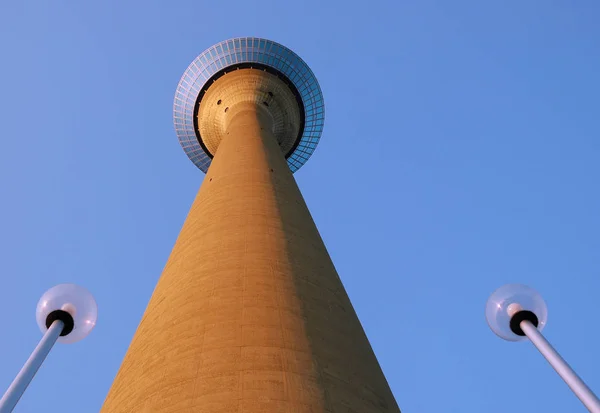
point(460, 153)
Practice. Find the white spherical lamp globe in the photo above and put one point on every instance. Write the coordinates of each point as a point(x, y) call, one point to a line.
point(515, 302)
point(72, 304)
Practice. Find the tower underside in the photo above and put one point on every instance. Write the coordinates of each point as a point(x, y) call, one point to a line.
point(249, 314)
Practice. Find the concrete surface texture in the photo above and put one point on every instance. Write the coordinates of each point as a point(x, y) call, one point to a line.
point(249, 314)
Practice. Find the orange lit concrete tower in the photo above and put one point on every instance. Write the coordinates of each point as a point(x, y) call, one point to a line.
point(249, 315)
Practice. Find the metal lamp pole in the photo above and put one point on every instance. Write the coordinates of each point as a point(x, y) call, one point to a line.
point(515, 312)
point(65, 313)
point(31, 366)
point(581, 390)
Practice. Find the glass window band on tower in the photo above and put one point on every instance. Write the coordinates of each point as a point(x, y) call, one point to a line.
point(246, 50)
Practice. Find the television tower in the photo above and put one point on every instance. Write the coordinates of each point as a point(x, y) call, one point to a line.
point(249, 315)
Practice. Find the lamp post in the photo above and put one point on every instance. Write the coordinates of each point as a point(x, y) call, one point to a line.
point(515, 312)
point(65, 313)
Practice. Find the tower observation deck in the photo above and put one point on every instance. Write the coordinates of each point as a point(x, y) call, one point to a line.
point(249, 315)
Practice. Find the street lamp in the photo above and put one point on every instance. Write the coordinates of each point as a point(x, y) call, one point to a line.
point(65, 313)
point(516, 311)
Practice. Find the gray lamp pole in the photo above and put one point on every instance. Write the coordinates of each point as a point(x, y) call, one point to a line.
point(515, 312)
point(65, 313)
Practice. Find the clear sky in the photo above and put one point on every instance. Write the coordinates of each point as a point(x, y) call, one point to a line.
point(461, 152)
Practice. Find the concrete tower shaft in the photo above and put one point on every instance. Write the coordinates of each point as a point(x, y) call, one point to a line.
point(250, 315)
